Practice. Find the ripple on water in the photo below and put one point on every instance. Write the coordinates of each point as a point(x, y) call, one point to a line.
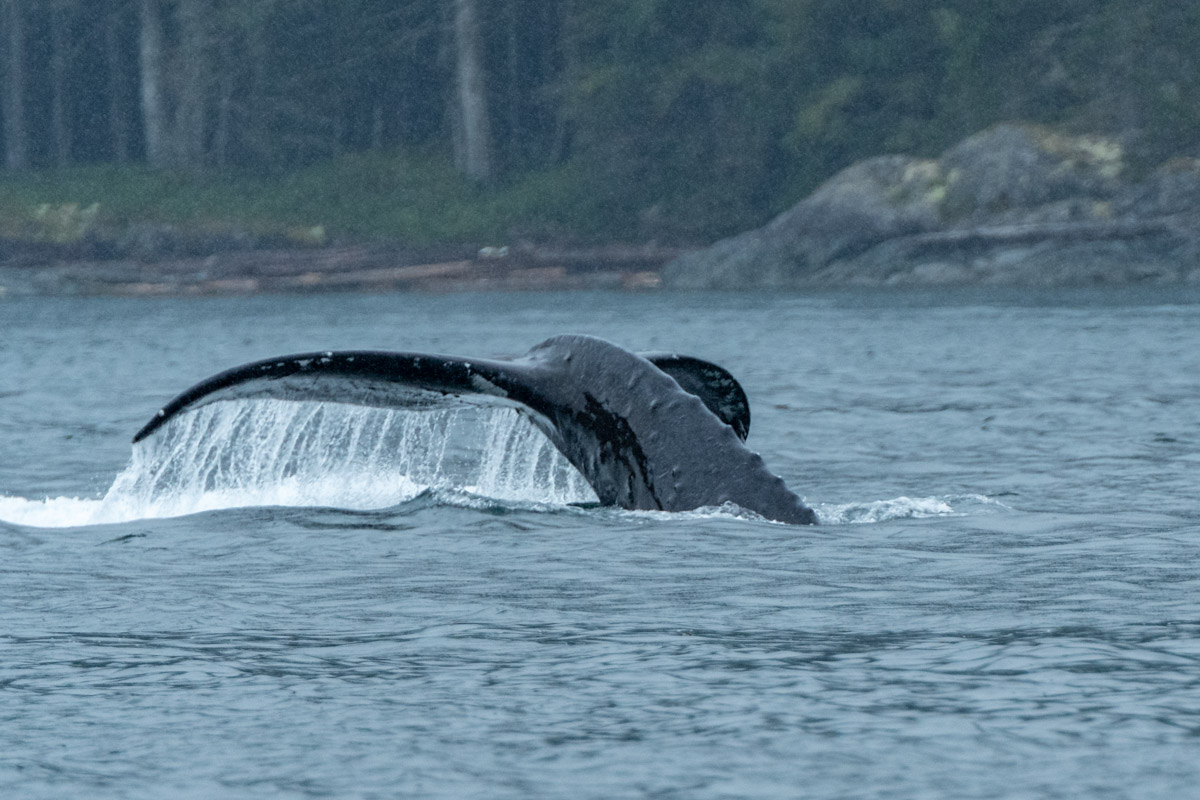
point(1019, 618)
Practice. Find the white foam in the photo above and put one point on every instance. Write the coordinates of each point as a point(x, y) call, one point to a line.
point(273, 453)
point(902, 508)
point(50, 512)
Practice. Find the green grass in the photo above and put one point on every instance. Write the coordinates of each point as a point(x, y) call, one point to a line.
point(417, 198)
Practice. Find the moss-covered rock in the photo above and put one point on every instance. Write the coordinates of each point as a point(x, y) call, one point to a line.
point(1014, 204)
point(1009, 170)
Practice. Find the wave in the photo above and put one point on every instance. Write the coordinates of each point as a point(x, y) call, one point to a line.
point(68, 512)
point(275, 453)
point(907, 508)
point(272, 453)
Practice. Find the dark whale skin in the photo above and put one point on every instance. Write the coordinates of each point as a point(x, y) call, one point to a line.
point(637, 435)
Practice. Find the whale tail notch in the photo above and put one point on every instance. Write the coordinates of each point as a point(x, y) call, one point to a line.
point(712, 383)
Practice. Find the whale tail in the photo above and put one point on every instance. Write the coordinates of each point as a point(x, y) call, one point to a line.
point(660, 431)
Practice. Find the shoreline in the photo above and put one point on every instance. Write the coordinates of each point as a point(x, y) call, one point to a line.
point(40, 269)
point(345, 268)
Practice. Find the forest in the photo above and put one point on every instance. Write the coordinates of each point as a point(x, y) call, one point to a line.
point(666, 120)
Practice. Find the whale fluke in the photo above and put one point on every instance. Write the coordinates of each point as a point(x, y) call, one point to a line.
point(657, 432)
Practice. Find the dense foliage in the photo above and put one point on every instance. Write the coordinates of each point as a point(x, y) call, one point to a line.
point(635, 118)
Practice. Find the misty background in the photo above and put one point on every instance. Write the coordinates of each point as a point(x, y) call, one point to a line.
point(677, 120)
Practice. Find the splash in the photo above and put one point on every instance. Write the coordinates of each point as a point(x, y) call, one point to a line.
point(273, 453)
point(905, 508)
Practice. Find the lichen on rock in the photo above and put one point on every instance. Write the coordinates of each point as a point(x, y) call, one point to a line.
point(1013, 204)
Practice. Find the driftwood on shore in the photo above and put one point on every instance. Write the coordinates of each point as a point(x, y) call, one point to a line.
point(341, 268)
point(1013, 205)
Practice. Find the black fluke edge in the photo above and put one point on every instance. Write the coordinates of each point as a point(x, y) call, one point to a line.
point(657, 431)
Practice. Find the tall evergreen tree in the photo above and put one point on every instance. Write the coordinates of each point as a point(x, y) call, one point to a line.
point(60, 62)
point(153, 71)
point(16, 138)
point(473, 137)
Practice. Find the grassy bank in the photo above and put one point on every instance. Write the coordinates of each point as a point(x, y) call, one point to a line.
point(417, 198)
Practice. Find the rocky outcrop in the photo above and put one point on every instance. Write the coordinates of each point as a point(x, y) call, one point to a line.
point(1013, 205)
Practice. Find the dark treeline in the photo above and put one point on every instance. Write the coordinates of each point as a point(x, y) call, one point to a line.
point(689, 117)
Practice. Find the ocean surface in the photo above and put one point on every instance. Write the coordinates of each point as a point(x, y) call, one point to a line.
point(277, 600)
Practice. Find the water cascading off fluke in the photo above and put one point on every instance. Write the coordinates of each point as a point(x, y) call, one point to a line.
point(276, 453)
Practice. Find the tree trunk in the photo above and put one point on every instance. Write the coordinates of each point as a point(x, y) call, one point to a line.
point(255, 130)
point(514, 136)
point(193, 73)
point(225, 79)
point(473, 139)
point(377, 127)
point(117, 122)
point(154, 101)
point(59, 62)
point(16, 141)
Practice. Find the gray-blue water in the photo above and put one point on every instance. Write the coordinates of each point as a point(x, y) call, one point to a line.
point(1003, 601)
